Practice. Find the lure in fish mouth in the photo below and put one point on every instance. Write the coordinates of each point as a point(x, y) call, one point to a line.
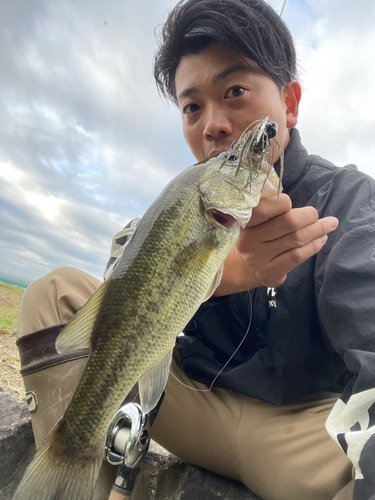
point(247, 166)
point(170, 266)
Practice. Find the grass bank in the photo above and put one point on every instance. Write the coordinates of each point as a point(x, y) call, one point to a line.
point(10, 377)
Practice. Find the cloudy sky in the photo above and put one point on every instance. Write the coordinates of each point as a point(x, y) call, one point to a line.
point(86, 143)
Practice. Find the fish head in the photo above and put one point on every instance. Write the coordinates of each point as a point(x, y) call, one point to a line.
point(236, 179)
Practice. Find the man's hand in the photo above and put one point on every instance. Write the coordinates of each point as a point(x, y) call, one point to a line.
point(277, 239)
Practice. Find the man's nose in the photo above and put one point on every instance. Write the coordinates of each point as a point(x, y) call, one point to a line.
point(217, 124)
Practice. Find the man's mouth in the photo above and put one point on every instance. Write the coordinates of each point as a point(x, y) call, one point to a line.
point(215, 151)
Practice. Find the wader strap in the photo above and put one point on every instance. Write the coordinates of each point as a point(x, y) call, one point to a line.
point(37, 350)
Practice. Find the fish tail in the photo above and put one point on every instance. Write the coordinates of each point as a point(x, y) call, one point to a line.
point(54, 475)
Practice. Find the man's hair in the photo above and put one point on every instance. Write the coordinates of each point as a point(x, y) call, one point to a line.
point(250, 27)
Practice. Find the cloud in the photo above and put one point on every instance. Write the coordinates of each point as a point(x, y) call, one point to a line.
point(337, 109)
point(82, 141)
point(87, 144)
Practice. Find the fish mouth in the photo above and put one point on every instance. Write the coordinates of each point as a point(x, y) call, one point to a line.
point(224, 219)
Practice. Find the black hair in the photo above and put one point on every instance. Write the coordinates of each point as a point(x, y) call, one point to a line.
point(250, 27)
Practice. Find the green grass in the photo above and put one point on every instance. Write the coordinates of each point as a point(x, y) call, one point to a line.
point(10, 301)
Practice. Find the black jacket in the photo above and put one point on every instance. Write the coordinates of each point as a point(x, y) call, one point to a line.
point(316, 332)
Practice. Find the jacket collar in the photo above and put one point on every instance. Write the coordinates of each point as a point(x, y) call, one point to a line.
point(295, 161)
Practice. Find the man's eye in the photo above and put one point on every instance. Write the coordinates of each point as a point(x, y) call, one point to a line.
point(191, 108)
point(235, 92)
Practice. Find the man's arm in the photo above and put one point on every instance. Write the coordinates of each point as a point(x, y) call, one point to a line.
point(277, 239)
point(347, 309)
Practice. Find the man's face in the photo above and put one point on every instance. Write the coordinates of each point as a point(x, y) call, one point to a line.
point(221, 92)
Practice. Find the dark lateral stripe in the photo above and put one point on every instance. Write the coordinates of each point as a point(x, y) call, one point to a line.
point(37, 350)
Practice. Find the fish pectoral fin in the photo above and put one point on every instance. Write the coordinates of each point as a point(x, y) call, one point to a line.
point(151, 385)
point(78, 332)
point(215, 283)
point(196, 253)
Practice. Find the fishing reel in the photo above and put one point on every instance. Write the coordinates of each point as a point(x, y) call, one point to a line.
point(128, 437)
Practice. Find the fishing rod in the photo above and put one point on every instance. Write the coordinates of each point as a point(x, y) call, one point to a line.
point(282, 9)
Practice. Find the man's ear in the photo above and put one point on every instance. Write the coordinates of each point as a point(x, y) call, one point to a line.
point(292, 96)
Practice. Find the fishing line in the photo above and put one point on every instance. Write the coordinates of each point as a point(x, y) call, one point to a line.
point(236, 350)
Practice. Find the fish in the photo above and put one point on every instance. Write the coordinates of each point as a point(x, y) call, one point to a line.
point(172, 264)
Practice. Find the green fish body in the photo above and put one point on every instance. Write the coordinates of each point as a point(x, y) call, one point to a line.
point(171, 265)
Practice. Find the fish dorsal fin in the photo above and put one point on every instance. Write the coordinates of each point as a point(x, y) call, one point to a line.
point(151, 385)
point(78, 332)
point(196, 252)
point(215, 283)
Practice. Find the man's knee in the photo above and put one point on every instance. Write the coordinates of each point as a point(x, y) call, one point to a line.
point(55, 298)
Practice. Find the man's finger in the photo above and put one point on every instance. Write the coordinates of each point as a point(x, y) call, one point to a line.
point(301, 237)
point(275, 273)
point(269, 208)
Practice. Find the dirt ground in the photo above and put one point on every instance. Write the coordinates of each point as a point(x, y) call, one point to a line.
point(10, 377)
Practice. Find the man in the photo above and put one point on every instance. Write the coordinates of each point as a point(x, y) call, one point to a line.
point(305, 298)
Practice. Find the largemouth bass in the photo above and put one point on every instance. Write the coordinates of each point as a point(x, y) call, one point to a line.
point(171, 265)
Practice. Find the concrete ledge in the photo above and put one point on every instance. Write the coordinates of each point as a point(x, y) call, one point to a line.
point(16, 443)
point(163, 476)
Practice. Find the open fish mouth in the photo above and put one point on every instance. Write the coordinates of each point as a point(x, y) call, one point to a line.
point(230, 218)
point(224, 219)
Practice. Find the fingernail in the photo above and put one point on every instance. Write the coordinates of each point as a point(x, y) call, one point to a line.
point(324, 239)
point(333, 222)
